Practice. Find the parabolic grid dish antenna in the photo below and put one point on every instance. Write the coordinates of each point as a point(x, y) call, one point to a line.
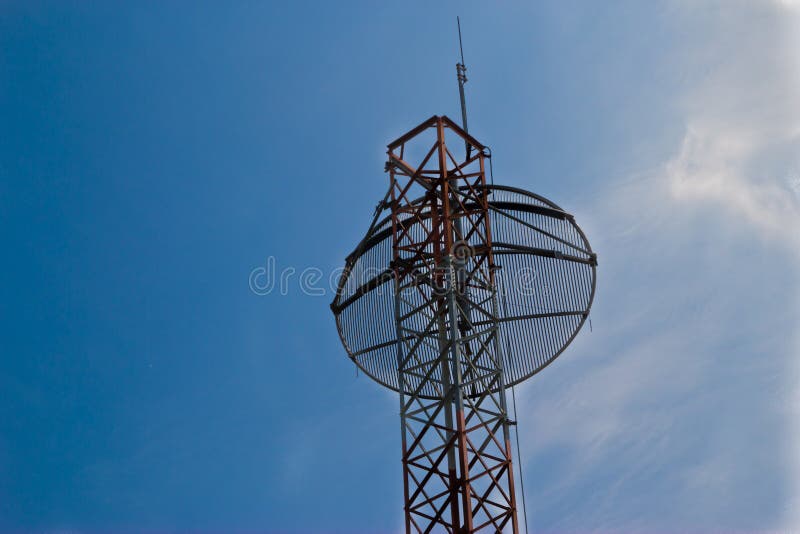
point(459, 290)
point(545, 272)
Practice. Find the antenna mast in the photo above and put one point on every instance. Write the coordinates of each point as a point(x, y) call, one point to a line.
point(441, 338)
point(461, 74)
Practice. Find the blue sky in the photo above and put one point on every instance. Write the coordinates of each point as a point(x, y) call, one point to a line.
point(152, 156)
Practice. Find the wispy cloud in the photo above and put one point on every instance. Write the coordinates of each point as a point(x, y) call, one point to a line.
point(682, 399)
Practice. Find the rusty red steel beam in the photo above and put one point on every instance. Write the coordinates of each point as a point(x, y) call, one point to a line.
point(455, 204)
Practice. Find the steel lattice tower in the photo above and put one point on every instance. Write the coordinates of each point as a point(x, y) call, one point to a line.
point(421, 308)
point(455, 426)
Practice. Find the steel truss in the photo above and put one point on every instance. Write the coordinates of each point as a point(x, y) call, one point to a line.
point(458, 476)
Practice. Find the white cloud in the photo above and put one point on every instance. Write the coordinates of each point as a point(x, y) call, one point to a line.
point(741, 156)
point(685, 400)
point(791, 4)
point(714, 168)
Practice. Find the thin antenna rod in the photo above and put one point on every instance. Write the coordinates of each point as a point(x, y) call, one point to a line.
point(460, 45)
point(461, 74)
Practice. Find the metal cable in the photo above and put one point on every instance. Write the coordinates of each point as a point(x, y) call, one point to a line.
point(516, 431)
point(491, 170)
point(519, 461)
